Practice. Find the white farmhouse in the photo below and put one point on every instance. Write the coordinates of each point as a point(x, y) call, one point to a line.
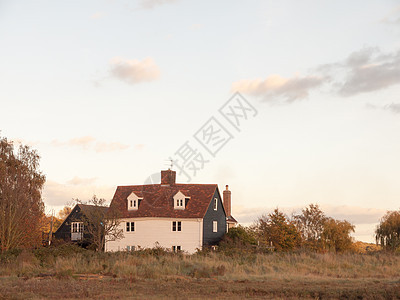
point(181, 217)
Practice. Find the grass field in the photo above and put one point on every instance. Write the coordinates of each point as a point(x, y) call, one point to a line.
point(62, 273)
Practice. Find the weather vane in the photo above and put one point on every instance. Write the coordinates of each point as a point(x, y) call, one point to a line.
point(171, 163)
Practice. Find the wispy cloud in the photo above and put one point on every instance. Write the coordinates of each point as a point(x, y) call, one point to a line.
point(84, 142)
point(151, 4)
point(393, 107)
point(25, 142)
point(134, 71)
point(82, 181)
point(354, 214)
point(97, 15)
point(139, 147)
point(276, 87)
point(363, 71)
point(369, 70)
point(393, 17)
point(90, 143)
point(109, 147)
point(59, 194)
point(196, 26)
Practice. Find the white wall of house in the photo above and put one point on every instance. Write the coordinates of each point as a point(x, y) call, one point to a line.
point(149, 231)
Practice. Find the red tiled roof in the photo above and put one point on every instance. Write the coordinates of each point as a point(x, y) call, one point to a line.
point(158, 200)
point(185, 192)
point(139, 194)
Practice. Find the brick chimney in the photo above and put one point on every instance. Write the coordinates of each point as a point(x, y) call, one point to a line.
point(168, 177)
point(227, 201)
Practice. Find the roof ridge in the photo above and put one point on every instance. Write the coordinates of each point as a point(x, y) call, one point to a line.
point(162, 185)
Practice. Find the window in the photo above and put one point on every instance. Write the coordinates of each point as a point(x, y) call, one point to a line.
point(176, 226)
point(215, 226)
point(130, 248)
point(133, 204)
point(76, 227)
point(76, 231)
point(176, 248)
point(130, 226)
point(215, 203)
point(133, 201)
point(180, 200)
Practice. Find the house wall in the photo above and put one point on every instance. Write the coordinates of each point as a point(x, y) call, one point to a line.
point(149, 231)
point(64, 232)
point(210, 237)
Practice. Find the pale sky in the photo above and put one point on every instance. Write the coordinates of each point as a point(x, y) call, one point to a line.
point(108, 91)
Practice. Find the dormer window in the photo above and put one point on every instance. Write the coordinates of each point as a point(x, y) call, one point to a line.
point(180, 200)
point(133, 201)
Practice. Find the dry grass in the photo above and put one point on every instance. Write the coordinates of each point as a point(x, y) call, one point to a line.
point(86, 274)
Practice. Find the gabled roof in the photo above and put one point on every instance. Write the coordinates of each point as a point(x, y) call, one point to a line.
point(231, 219)
point(158, 200)
point(84, 208)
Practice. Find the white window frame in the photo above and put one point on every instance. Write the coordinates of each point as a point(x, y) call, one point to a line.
point(179, 200)
point(129, 226)
point(79, 227)
point(133, 201)
point(215, 203)
point(177, 225)
point(215, 226)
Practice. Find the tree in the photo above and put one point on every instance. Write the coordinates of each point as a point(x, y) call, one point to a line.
point(21, 205)
point(277, 231)
point(336, 235)
point(101, 223)
point(238, 238)
point(47, 224)
point(310, 223)
point(63, 213)
point(388, 231)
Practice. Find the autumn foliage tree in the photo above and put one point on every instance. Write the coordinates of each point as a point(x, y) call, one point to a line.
point(64, 212)
point(310, 223)
point(278, 231)
point(21, 205)
point(336, 235)
point(238, 239)
point(321, 233)
point(388, 231)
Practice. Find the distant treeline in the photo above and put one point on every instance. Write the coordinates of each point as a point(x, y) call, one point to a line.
point(310, 230)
